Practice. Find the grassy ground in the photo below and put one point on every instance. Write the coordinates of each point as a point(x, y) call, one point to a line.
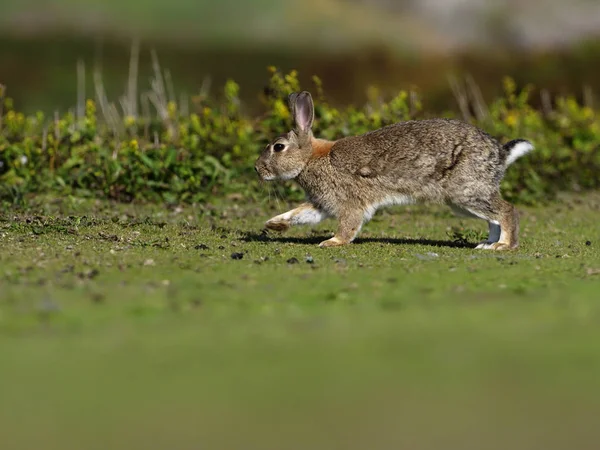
point(130, 327)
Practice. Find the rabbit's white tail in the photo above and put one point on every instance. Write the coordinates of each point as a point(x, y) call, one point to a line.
point(515, 149)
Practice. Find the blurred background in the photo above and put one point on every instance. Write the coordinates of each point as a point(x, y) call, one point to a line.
point(348, 43)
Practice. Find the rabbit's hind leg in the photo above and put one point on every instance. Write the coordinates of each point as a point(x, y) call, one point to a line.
point(493, 225)
point(509, 226)
point(504, 225)
point(503, 221)
point(502, 218)
point(495, 231)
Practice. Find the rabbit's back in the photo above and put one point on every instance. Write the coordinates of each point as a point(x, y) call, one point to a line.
point(432, 157)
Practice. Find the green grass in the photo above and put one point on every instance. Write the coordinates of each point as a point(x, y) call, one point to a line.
point(132, 327)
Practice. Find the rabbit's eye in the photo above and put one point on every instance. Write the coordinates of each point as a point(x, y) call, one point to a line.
point(278, 147)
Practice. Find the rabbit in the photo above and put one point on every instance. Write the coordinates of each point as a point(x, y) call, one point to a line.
point(442, 161)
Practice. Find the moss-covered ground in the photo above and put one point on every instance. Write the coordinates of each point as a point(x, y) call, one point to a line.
point(146, 327)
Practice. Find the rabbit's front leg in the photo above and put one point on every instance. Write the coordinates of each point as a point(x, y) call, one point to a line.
point(349, 225)
point(304, 214)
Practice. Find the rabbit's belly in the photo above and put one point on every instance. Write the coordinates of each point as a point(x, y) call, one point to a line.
point(392, 199)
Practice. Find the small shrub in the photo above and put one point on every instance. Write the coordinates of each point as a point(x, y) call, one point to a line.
point(210, 151)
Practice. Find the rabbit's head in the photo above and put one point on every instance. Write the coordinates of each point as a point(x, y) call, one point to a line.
point(287, 155)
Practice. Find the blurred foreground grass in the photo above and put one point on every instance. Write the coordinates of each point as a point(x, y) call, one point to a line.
point(137, 327)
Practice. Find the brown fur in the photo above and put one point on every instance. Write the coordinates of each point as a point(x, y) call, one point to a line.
point(321, 147)
point(509, 223)
point(436, 160)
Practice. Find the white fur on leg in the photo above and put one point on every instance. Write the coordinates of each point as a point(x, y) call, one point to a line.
point(307, 216)
point(390, 200)
point(494, 232)
point(493, 237)
point(303, 215)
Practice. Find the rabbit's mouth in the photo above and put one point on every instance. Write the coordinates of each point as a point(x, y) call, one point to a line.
point(263, 174)
point(267, 174)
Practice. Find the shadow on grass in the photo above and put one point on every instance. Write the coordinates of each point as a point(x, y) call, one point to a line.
point(314, 240)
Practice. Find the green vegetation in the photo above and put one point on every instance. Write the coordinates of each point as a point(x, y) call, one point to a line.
point(392, 44)
point(142, 305)
point(92, 259)
point(130, 326)
point(178, 156)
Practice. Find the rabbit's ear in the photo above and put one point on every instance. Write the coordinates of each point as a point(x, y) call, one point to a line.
point(292, 102)
point(304, 111)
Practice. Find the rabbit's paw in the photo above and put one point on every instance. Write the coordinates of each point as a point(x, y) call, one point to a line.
point(495, 246)
point(277, 225)
point(333, 242)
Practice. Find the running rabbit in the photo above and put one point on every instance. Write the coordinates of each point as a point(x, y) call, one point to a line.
point(437, 160)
